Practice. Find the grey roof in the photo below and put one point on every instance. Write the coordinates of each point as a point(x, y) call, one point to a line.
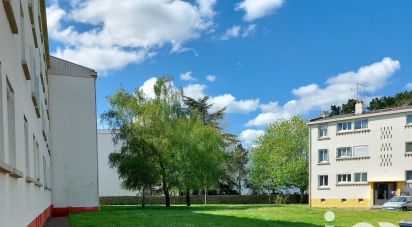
point(62, 67)
point(363, 114)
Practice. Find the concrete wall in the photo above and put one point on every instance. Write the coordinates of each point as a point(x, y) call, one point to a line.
point(385, 137)
point(73, 127)
point(109, 183)
point(22, 201)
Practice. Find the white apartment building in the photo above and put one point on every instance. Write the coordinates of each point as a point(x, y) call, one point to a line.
point(48, 142)
point(360, 160)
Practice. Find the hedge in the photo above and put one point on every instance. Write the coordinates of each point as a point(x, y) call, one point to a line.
point(199, 199)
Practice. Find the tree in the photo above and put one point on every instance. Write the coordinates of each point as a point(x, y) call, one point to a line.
point(202, 108)
point(280, 157)
point(400, 99)
point(153, 123)
point(240, 159)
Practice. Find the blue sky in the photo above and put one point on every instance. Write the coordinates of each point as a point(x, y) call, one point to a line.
point(271, 59)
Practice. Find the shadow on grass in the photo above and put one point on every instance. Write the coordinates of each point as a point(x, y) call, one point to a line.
point(174, 216)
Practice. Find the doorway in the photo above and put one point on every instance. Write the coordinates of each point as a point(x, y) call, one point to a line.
point(383, 192)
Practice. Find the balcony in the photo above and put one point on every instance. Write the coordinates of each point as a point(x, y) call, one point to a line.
point(10, 16)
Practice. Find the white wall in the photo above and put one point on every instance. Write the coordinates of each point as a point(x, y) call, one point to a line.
point(21, 201)
point(109, 183)
point(73, 127)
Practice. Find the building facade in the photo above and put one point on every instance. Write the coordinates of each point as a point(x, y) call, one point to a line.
point(360, 160)
point(109, 182)
point(45, 165)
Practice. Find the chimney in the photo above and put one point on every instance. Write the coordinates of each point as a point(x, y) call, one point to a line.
point(358, 107)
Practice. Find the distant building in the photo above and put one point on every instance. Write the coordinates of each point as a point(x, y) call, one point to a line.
point(360, 159)
point(48, 144)
point(109, 182)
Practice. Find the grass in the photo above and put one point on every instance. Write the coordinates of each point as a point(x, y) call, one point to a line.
point(231, 215)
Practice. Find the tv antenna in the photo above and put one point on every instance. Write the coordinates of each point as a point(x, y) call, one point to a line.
point(357, 90)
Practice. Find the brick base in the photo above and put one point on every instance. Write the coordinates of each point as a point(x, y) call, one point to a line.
point(66, 211)
point(41, 218)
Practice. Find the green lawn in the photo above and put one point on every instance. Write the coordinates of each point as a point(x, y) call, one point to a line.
point(230, 215)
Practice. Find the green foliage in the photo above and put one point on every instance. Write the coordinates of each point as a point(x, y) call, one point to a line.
point(162, 142)
point(400, 99)
point(280, 156)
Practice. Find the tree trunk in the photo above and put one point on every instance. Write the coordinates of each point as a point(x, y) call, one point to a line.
point(165, 187)
point(188, 197)
point(269, 198)
point(205, 196)
point(143, 198)
point(301, 195)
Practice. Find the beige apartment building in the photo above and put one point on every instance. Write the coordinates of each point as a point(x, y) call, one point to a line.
point(360, 160)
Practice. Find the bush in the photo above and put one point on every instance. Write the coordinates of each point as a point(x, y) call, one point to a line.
point(199, 199)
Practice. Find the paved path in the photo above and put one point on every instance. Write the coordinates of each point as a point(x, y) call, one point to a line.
point(57, 222)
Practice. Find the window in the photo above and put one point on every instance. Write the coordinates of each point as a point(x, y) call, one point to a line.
point(344, 178)
point(323, 130)
point(409, 175)
point(323, 156)
point(409, 120)
point(26, 146)
point(323, 181)
point(36, 160)
point(344, 152)
point(409, 147)
point(44, 172)
point(11, 124)
point(361, 177)
point(360, 151)
point(361, 124)
point(344, 126)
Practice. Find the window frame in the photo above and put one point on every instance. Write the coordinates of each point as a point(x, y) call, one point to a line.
point(406, 147)
point(348, 178)
point(340, 127)
point(347, 151)
point(363, 177)
point(323, 161)
point(406, 175)
point(321, 130)
point(322, 183)
point(409, 119)
point(362, 124)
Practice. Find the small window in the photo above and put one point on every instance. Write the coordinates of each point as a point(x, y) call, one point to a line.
point(409, 120)
point(323, 200)
point(361, 124)
point(409, 175)
point(344, 126)
point(344, 178)
point(360, 200)
point(323, 130)
point(361, 177)
point(323, 156)
point(409, 147)
point(344, 152)
point(343, 200)
point(360, 151)
point(323, 181)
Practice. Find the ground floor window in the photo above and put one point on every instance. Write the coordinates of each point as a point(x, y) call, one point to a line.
point(344, 178)
point(323, 181)
point(361, 177)
point(409, 175)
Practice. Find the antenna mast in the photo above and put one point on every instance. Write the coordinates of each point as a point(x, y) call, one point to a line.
point(357, 90)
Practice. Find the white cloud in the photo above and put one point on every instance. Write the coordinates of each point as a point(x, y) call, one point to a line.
point(408, 86)
point(211, 78)
point(248, 136)
point(187, 76)
point(338, 90)
point(129, 30)
point(195, 91)
point(256, 9)
point(148, 87)
point(238, 31)
point(232, 105)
